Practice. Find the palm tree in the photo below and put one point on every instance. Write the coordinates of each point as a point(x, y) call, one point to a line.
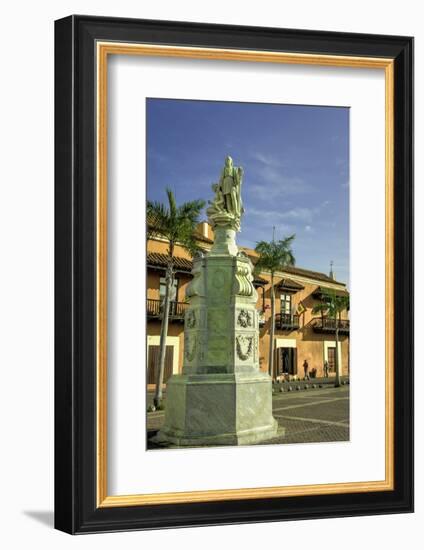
point(333, 305)
point(274, 256)
point(177, 224)
point(322, 309)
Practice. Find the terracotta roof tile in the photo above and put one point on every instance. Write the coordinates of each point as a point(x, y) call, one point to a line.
point(294, 270)
point(308, 273)
point(322, 290)
point(290, 284)
point(161, 260)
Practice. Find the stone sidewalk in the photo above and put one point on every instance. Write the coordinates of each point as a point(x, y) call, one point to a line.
point(309, 416)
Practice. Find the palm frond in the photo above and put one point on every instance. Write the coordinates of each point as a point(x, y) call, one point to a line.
point(172, 203)
point(191, 210)
point(157, 218)
point(320, 308)
point(274, 255)
point(176, 223)
point(334, 303)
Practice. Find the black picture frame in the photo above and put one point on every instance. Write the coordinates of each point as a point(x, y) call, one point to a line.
point(76, 510)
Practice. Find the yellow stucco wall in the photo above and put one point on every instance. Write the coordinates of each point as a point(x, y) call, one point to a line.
point(309, 344)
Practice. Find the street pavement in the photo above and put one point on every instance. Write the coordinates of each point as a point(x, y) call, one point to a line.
point(308, 416)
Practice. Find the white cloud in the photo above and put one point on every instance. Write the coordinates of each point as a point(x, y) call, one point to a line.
point(268, 218)
point(271, 179)
point(296, 216)
point(275, 185)
point(268, 160)
point(299, 214)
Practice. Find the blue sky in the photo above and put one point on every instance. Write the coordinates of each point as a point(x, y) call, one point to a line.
point(296, 169)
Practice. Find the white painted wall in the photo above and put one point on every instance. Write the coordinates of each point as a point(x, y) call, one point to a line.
point(285, 342)
point(332, 344)
point(26, 275)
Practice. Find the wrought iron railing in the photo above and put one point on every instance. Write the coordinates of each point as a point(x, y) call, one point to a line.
point(176, 309)
point(328, 325)
point(286, 321)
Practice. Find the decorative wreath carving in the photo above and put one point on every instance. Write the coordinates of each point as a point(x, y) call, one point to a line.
point(244, 345)
point(191, 318)
point(190, 347)
point(245, 318)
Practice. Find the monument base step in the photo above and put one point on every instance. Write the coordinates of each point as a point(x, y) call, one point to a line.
point(207, 410)
point(248, 437)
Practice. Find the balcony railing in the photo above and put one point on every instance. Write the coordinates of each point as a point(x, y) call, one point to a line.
point(286, 321)
point(176, 310)
point(328, 326)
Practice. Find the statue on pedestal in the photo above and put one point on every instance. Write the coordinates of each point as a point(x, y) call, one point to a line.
point(227, 206)
point(221, 397)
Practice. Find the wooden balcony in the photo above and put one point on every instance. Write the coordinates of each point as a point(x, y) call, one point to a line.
point(328, 326)
point(176, 310)
point(286, 321)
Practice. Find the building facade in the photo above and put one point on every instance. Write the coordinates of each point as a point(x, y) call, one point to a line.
point(299, 333)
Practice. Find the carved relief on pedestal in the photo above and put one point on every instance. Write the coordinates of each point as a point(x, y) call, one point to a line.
point(190, 346)
point(190, 318)
point(245, 318)
point(244, 346)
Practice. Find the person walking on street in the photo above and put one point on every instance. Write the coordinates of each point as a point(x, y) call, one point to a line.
point(326, 369)
point(305, 369)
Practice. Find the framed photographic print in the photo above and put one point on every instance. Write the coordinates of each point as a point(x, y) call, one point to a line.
point(233, 270)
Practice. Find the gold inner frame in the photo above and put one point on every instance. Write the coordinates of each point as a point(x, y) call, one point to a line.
point(104, 49)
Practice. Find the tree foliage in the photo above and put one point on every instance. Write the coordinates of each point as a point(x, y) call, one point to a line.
point(274, 255)
point(331, 304)
point(176, 224)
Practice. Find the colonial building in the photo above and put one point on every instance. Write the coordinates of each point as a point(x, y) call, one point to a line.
point(299, 334)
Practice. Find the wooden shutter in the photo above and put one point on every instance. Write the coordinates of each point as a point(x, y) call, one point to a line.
point(294, 350)
point(277, 362)
point(331, 359)
point(153, 361)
